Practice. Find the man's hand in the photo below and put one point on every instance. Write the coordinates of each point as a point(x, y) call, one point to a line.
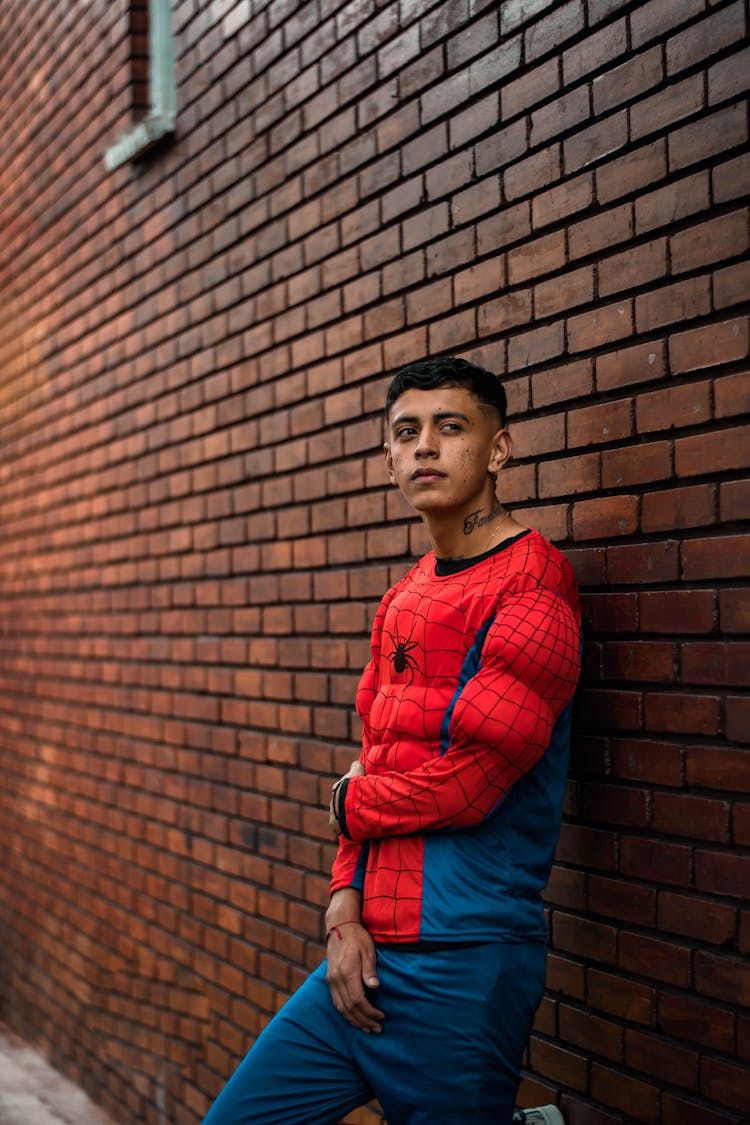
point(351, 969)
point(356, 769)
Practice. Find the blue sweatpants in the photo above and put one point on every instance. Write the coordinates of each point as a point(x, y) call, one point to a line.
point(456, 1024)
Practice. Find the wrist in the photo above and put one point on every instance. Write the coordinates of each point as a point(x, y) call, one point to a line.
point(345, 906)
point(335, 930)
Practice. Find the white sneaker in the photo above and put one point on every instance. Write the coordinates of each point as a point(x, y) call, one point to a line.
point(542, 1115)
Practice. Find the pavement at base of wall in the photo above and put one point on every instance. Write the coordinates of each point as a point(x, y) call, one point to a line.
point(32, 1092)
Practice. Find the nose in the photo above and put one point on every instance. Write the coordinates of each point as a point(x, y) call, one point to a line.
point(427, 445)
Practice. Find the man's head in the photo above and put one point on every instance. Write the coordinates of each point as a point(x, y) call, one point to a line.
point(446, 371)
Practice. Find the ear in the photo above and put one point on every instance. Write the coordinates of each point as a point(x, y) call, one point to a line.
point(389, 462)
point(501, 451)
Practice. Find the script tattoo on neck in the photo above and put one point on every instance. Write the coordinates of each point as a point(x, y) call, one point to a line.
point(476, 519)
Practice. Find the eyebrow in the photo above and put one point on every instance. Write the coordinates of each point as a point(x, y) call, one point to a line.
point(400, 418)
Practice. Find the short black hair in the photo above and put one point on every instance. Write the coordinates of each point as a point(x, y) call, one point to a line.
point(447, 371)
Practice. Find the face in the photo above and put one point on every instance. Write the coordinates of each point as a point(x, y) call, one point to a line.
point(442, 447)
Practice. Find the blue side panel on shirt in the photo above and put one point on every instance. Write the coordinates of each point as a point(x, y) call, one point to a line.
point(492, 875)
point(471, 665)
point(358, 879)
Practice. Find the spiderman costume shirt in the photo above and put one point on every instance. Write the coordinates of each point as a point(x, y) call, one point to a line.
point(466, 708)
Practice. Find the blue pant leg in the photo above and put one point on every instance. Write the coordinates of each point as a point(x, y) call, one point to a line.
point(300, 1071)
point(456, 1025)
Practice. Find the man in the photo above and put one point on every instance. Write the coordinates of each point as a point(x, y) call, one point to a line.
point(435, 932)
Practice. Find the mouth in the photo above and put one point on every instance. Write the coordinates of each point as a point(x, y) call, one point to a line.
point(427, 474)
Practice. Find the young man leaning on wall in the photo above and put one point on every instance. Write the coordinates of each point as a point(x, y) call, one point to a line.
point(447, 823)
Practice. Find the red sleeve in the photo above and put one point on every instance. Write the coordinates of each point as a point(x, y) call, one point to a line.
point(500, 725)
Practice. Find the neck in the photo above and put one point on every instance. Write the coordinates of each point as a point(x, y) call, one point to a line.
point(470, 533)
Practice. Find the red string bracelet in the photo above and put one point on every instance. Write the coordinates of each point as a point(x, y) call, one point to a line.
point(335, 929)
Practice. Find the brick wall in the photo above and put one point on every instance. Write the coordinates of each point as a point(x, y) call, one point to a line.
point(196, 528)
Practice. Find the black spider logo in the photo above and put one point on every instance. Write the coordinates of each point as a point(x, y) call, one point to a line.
point(402, 661)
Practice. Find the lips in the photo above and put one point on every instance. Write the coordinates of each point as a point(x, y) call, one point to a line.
point(427, 474)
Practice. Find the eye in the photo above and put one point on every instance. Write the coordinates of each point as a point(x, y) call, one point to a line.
point(452, 427)
point(405, 431)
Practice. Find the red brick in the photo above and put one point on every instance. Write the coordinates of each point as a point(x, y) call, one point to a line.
point(675, 201)
point(731, 284)
point(721, 873)
point(684, 300)
point(562, 201)
point(656, 959)
point(734, 610)
point(561, 115)
point(565, 976)
point(603, 325)
point(590, 53)
point(566, 888)
point(530, 88)
point(625, 82)
point(509, 225)
point(479, 281)
point(728, 78)
point(734, 500)
point(678, 1111)
point(620, 710)
point(708, 37)
point(569, 476)
point(725, 1083)
point(639, 660)
point(693, 506)
point(600, 140)
point(722, 977)
point(556, 384)
point(678, 611)
point(707, 137)
point(707, 662)
point(713, 241)
point(559, 1064)
point(718, 767)
point(652, 20)
point(636, 464)
point(533, 173)
point(533, 259)
point(592, 1033)
point(587, 846)
point(643, 562)
point(682, 714)
point(611, 613)
point(604, 516)
point(674, 1065)
point(686, 1017)
point(616, 898)
point(627, 999)
point(536, 346)
point(551, 521)
point(607, 228)
point(656, 861)
point(657, 112)
point(659, 763)
point(561, 293)
point(633, 172)
point(636, 267)
point(699, 918)
point(741, 826)
point(738, 718)
point(548, 33)
point(610, 421)
point(631, 1095)
point(700, 817)
point(720, 450)
point(725, 556)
